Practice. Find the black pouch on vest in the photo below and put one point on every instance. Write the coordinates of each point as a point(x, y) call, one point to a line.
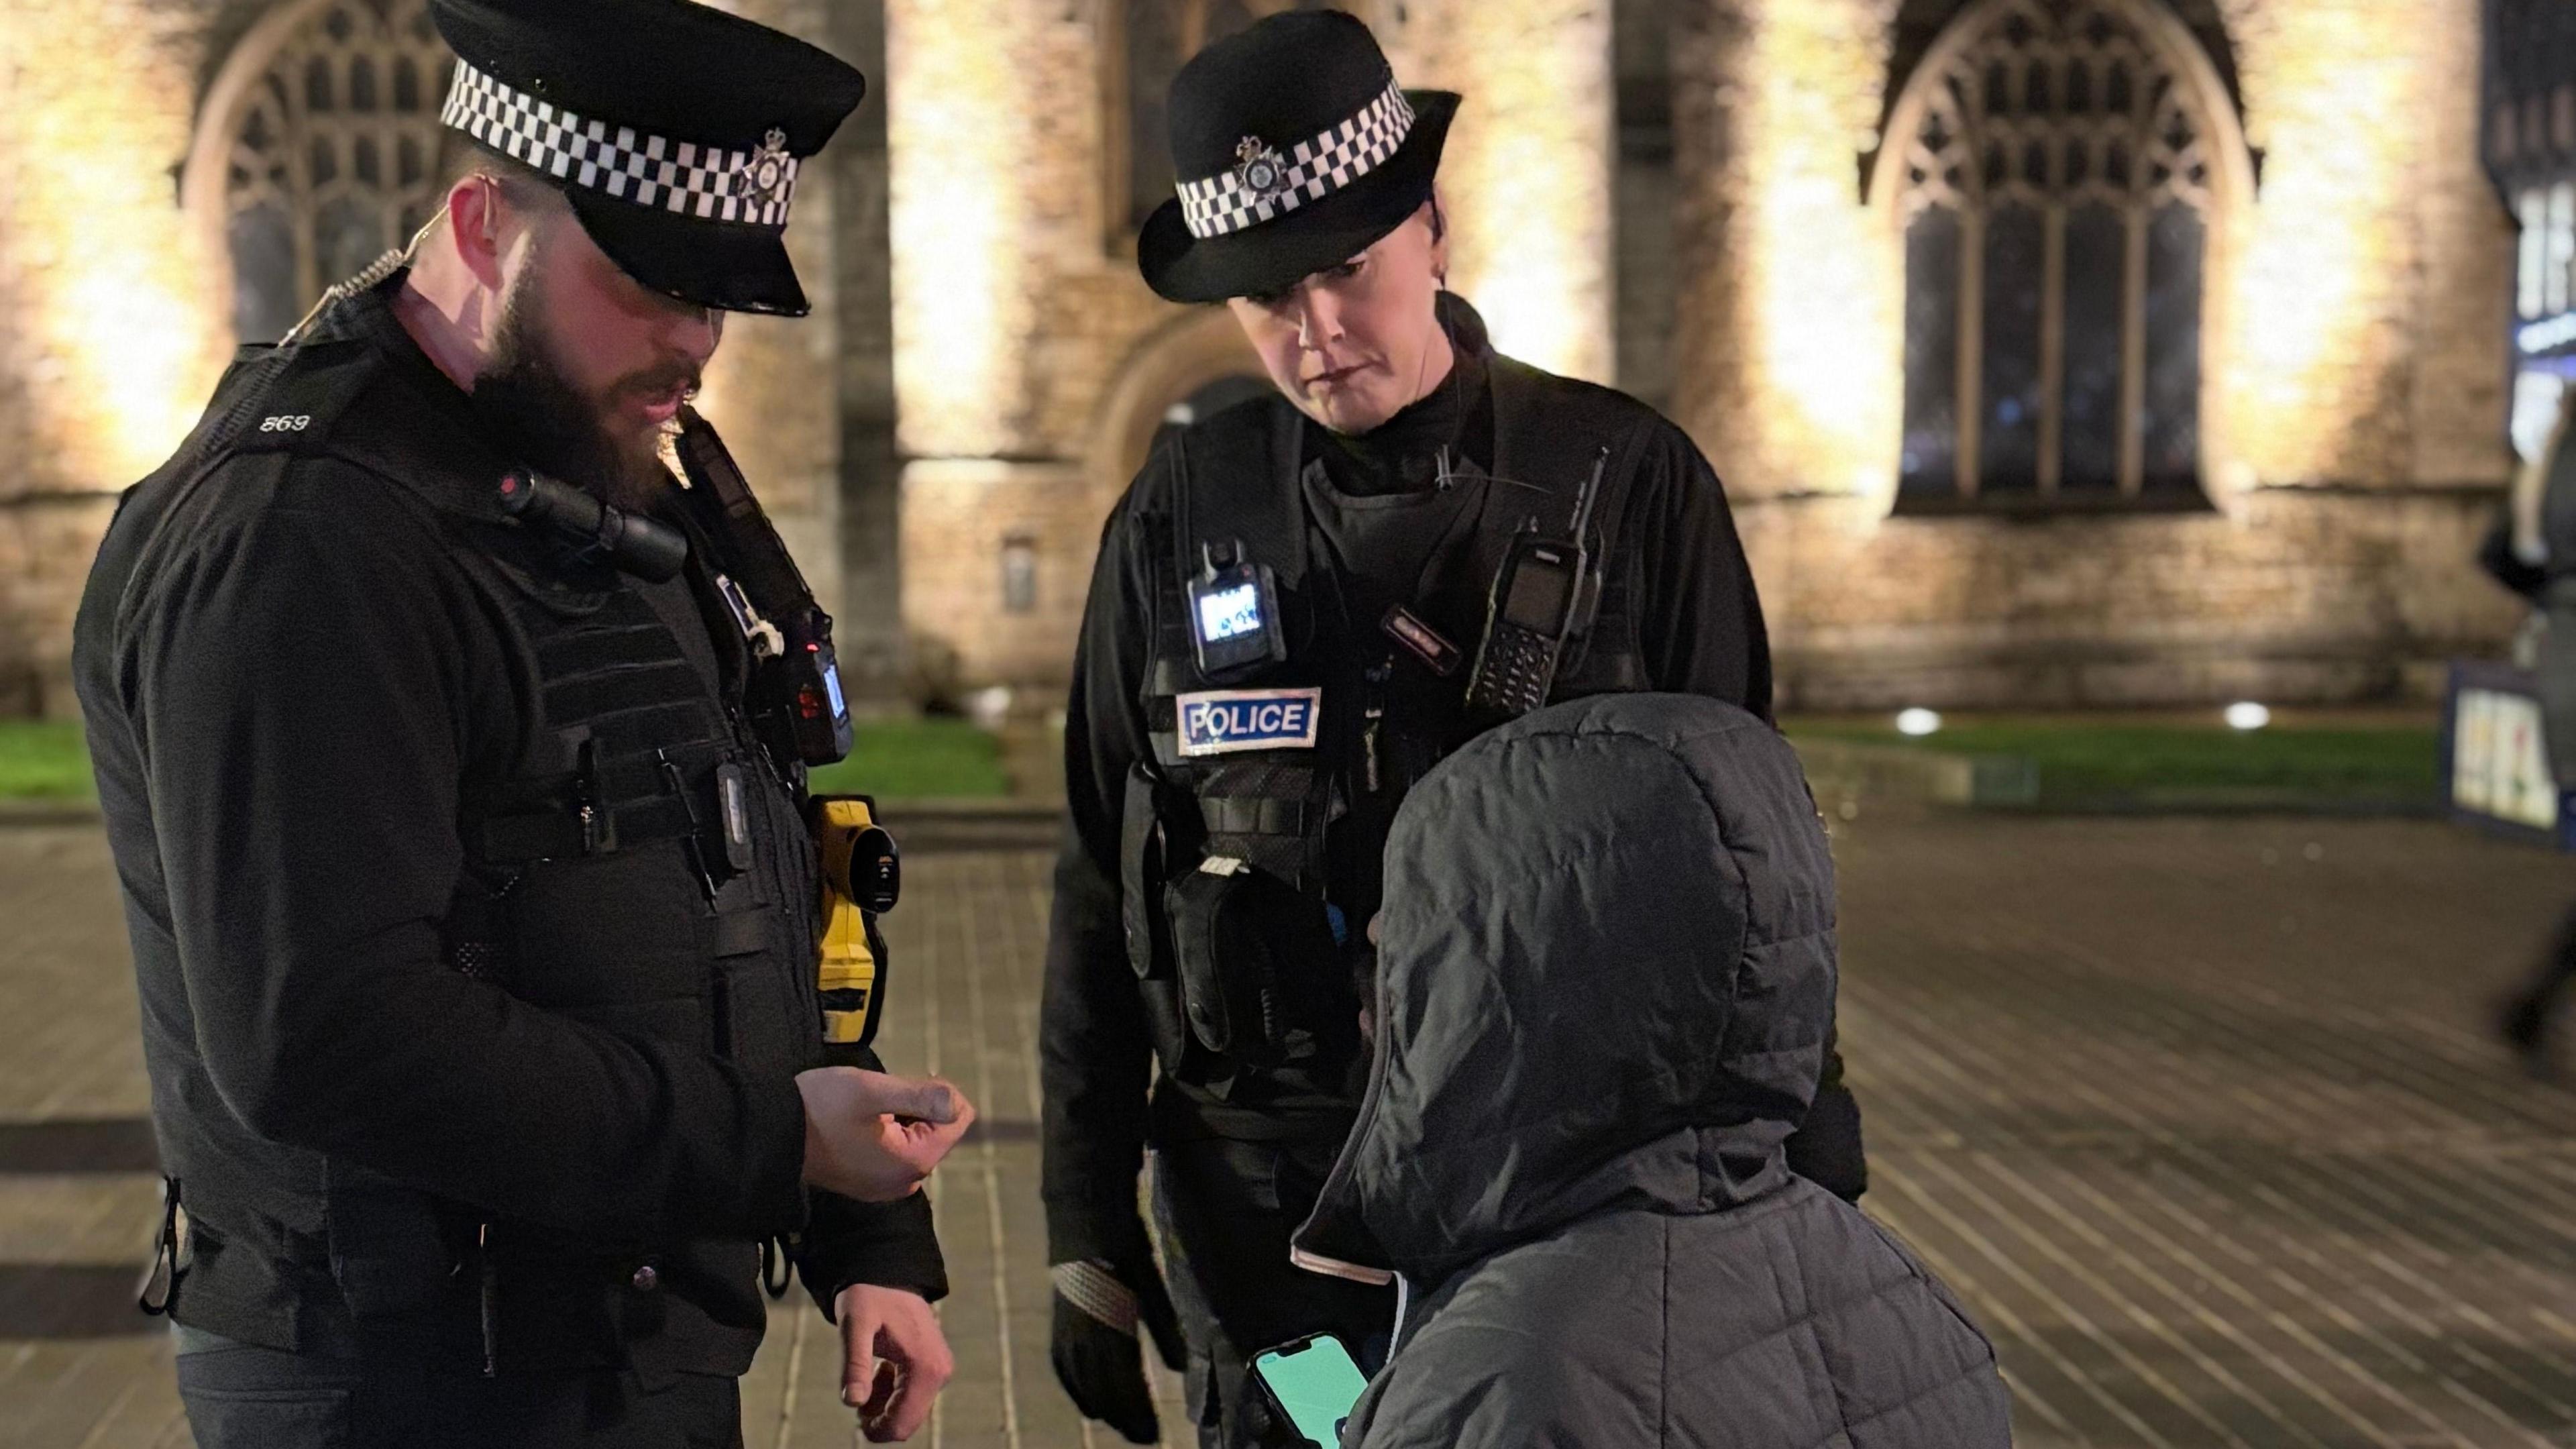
point(1242, 939)
point(1142, 851)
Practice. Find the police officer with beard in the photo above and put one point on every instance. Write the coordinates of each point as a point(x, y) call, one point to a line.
point(475, 921)
point(1301, 605)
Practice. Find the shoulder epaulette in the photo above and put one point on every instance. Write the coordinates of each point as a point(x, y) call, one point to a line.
point(293, 397)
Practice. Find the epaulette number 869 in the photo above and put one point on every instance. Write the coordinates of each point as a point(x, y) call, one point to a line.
point(286, 423)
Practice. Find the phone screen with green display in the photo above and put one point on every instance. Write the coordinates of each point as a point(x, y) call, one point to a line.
point(1311, 1383)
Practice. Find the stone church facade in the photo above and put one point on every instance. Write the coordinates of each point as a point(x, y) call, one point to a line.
point(2053, 351)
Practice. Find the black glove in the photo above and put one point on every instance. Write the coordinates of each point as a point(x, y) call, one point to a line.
point(1097, 1357)
point(2496, 555)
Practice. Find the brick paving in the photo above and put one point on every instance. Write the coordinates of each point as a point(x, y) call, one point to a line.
point(2199, 1116)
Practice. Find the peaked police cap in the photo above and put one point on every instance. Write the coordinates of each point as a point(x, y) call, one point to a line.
point(674, 129)
point(1295, 151)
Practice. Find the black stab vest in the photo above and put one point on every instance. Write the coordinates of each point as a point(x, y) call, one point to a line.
point(597, 886)
point(1238, 476)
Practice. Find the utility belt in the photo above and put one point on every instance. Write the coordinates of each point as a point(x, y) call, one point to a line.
point(395, 1267)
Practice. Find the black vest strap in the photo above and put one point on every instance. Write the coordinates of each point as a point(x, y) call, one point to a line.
point(1547, 431)
point(564, 833)
point(1215, 499)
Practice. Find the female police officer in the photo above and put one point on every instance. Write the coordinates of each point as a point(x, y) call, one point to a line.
point(1300, 606)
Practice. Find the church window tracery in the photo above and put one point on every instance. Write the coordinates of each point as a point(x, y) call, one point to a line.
point(2056, 204)
point(333, 156)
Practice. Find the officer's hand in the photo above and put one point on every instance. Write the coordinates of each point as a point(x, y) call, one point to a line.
point(894, 1359)
point(874, 1137)
point(1097, 1357)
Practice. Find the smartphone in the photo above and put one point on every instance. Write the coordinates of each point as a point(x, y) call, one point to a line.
point(1312, 1384)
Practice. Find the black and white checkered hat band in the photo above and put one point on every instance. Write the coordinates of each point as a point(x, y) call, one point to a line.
point(1266, 183)
point(709, 182)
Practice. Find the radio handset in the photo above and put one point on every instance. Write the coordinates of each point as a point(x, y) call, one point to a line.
point(797, 705)
point(1543, 596)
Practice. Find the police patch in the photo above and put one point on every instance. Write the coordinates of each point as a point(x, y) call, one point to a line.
point(1221, 722)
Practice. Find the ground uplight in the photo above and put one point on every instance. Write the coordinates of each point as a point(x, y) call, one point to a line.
point(2245, 714)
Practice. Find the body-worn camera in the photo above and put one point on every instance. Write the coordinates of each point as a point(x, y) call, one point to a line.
point(630, 542)
point(1234, 614)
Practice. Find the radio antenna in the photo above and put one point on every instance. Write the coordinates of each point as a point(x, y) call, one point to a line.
point(1590, 493)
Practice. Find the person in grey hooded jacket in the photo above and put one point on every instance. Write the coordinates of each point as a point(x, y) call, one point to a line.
point(1606, 973)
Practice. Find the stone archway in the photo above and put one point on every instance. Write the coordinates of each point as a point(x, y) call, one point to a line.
point(1920, 24)
point(1194, 350)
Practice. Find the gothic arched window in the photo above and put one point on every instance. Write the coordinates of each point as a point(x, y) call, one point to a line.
point(1156, 38)
point(333, 157)
point(2056, 203)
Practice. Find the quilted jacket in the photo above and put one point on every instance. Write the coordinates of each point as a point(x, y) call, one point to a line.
point(1606, 972)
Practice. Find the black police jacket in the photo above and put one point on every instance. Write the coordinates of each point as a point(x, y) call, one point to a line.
point(425, 1070)
point(1679, 614)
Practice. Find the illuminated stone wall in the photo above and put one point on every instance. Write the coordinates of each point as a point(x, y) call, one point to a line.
point(1526, 175)
point(107, 341)
point(2377, 279)
point(1787, 347)
point(985, 363)
point(874, 648)
point(1010, 315)
point(774, 390)
point(1643, 273)
point(112, 333)
point(2356, 381)
point(2307, 596)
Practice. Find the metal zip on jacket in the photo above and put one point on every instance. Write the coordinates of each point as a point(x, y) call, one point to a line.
point(488, 1295)
point(1375, 714)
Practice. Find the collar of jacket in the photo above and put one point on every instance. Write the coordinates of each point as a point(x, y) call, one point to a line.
point(406, 420)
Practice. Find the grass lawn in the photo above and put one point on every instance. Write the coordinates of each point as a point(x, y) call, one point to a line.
point(2105, 761)
point(2084, 761)
point(918, 759)
point(896, 759)
point(43, 760)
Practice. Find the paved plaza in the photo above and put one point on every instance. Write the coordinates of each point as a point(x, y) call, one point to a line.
point(2199, 1116)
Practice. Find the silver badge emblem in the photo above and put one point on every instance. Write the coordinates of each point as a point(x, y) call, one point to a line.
point(763, 177)
point(1260, 167)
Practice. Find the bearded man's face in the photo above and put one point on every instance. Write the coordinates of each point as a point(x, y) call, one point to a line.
point(588, 368)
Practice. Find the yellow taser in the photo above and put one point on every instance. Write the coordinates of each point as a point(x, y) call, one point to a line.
point(862, 877)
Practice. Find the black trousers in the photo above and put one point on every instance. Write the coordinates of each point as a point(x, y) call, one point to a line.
point(2531, 1008)
point(1224, 1211)
point(243, 1397)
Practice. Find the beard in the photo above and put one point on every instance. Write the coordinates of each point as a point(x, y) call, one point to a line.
point(525, 397)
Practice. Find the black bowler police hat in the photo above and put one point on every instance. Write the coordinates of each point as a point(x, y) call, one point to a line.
point(1296, 151)
point(674, 130)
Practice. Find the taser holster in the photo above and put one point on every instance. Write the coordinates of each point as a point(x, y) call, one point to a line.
point(862, 877)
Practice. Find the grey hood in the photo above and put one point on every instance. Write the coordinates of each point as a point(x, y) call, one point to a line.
point(1606, 977)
